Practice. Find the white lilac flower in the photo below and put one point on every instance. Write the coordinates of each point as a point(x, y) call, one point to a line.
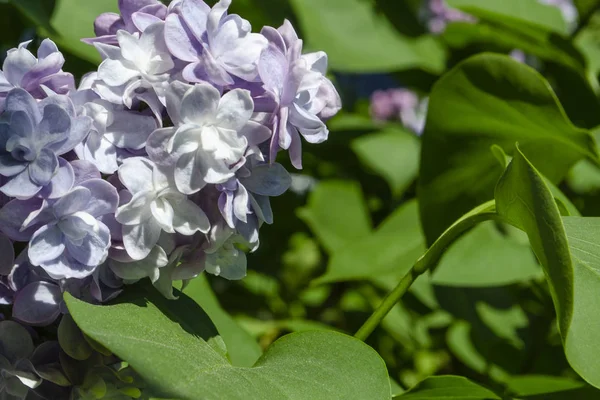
point(216, 45)
point(211, 134)
point(304, 96)
point(23, 70)
point(136, 70)
point(155, 206)
point(116, 133)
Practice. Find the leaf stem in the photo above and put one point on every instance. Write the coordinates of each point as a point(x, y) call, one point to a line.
point(428, 261)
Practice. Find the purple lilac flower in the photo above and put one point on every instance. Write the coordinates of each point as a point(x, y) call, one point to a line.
point(185, 116)
point(135, 16)
point(303, 96)
point(22, 69)
point(400, 105)
point(438, 15)
point(32, 137)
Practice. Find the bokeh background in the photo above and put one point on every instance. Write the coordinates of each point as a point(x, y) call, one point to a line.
point(349, 228)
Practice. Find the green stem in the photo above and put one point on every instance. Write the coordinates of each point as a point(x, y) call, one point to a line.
point(428, 261)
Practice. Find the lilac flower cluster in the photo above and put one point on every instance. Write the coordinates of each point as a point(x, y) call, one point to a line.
point(401, 105)
point(161, 163)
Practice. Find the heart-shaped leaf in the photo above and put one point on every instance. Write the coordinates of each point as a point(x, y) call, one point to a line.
point(489, 100)
point(165, 342)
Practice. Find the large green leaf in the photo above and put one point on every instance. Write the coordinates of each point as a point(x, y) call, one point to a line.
point(73, 20)
point(165, 342)
point(337, 214)
point(448, 388)
point(38, 11)
point(568, 250)
point(530, 12)
point(542, 387)
point(393, 154)
point(390, 251)
point(486, 257)
point(243, 350)
point(489, 99)
point(357, 39)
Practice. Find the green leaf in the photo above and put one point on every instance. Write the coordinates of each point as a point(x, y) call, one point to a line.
point(388, 252)
point(393, 154)
point(337, 214)
point(448, 388)
point(489, 99)
point(486, 257)
point(165, 342)
point(358, 39)
point(243, 350)
point(569, 252)
point(531, 12)
point(541, 387)
point(38, 11)
point(73, 20)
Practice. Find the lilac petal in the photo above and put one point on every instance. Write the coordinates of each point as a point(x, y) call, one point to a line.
point(42, 169)
point(142, 20)
point(65, 267)
point(311, 127)
point(262, 207)
point(148, 267)
point(54, 127)
point(136, 175)
point(330, 98)
point(235, 109)
point(61, 182)
point(101, 152)
point(61, 82)
point(228, 262)
point(128, 7)
point(23, 273)
point(21, 126)
point(104, 200)
point(188, 178)
point(84, 170)
point(163, 213)
point(38, 304)
point(274, 38)
point(273, 69)
point(137, 210)
point(249, 231)
point(268, 180)
point(93, 250)
point(225, 204)
point(295, 147)
point(288, 33)
point(180, 41)
point(12, 216)
point(240, 203)
point(107, 23)
point(46, 245)
point(8, 255)
point(9, 166)
point(255, 133)
point(21, 187)
point(157, 146)
point(17, 63)
point(21, 100)
point(52, 64)
point(130, 130)
point(189, 219)
point(140, 239)
point(80, 128)
point(200, 104)
point(74, 201)
point(195, 14)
